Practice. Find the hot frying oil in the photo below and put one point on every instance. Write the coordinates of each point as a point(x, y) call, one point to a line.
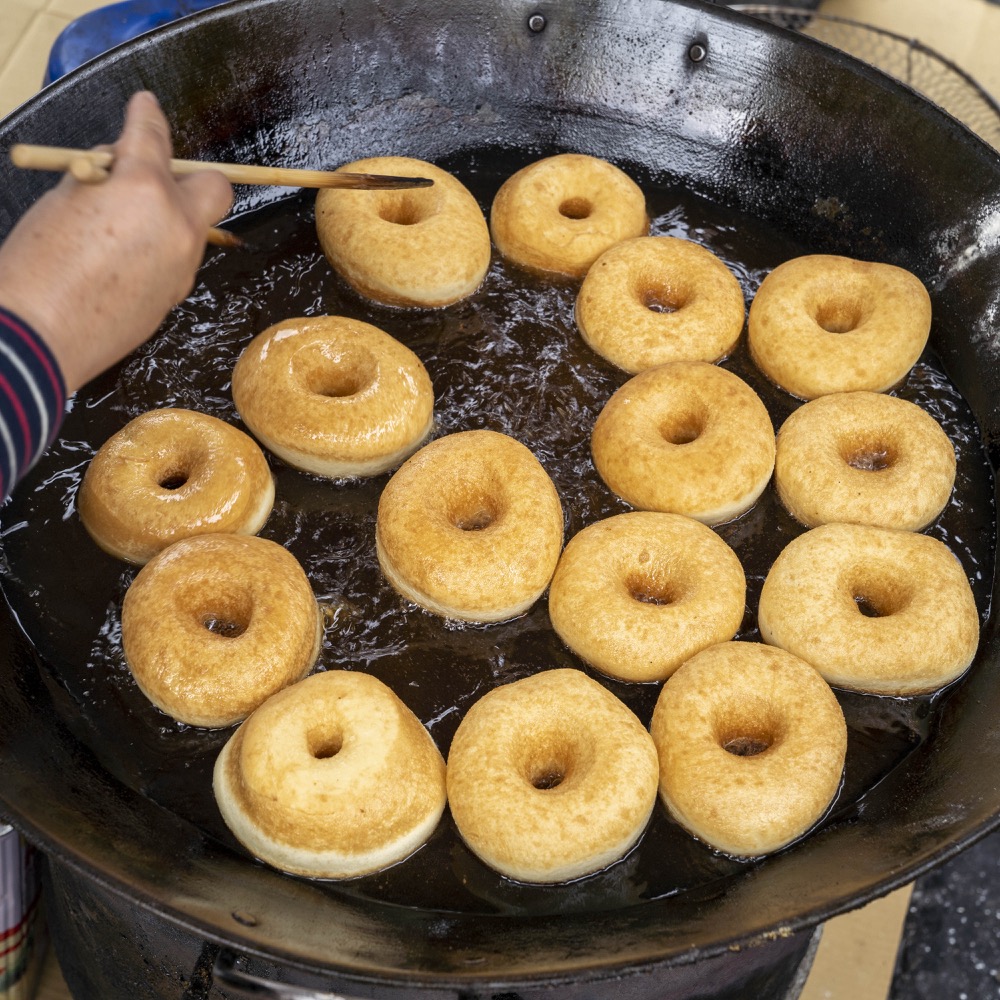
point(509, 359)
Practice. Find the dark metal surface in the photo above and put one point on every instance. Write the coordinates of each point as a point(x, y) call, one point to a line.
point(835, 156)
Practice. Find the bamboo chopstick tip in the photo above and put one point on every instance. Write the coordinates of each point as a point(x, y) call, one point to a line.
point(223, 238)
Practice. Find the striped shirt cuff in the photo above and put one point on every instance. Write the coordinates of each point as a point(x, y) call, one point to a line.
point(32, 398)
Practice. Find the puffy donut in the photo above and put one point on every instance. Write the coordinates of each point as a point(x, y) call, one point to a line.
point(637, 594)
point(470, 527)
point(820, 324)
point(561, 213)
point(334, 396)
point(751, 744)
point(551, 777)
point(425, 246)
point(654, 299)
point(215, 624)
point(864, 458)
point(169, 474)
point(333, 777)
point(685, 438)
point(872, 609)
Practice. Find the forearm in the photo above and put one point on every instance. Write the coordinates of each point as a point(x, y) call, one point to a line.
point(32, 398)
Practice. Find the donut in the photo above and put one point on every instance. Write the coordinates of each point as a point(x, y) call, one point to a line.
point(637, 594)
point(333, 396)
point(876, 610)
point(685, 438)
point(215, 624)
point(751, 744)
point(333, 777)
point(559, 214)
point(864, 458)
point(169, 474)
point(654, 299)
point(551, 777)
point(423, 247)
point(470, 527)
point(821, 323)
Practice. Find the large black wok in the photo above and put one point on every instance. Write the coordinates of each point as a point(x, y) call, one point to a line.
point(823, 153)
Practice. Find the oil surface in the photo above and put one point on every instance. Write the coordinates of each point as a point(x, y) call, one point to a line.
point(509, 359)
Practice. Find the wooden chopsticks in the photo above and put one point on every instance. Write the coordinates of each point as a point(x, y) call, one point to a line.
point(92, 166)
point(59, 158)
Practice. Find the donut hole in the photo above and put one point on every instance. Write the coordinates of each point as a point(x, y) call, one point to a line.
point(660, 298)
point(551, 759)
point(869, 455)
point(745, 746)
point(474, 510)
point(576, 208)
point(228, 617)
point(172, 480)
point(652, 588)
point(226, 628)
point(404, 210)
point(683, 428)
point(547, 776)
point(839, 315)
point(880, 596)
point(750, 733)
point(340, 375)
point(324, 744)
point(179, 468)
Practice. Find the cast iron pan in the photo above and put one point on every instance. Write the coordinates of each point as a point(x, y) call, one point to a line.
point(761, 145)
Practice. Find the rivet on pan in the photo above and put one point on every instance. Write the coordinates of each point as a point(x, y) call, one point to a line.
point(697, 52)
point(536, 22)
point(242, 917)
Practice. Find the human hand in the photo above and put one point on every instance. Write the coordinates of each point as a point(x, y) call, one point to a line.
point(94, 268)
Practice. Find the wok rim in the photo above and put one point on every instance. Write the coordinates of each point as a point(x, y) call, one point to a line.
point(47, 828)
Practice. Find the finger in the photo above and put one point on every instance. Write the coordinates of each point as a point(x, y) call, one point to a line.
point(146, 134)
point(208, 195)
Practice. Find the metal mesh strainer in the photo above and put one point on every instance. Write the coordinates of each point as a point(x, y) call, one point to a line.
point(907, 59)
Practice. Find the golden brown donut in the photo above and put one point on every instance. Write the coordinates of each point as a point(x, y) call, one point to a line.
point(561, 213)
point(637, 594)
point(334, 396)
point(551, 777)
point(215, 624)
point(821, 323)
point(872, 609)
point(334, 777)
point(425, 246)
point(470, 527)
point(654, 299)
point(169, 474)
point(751, 743)
point(685, 438)
point(864, 458)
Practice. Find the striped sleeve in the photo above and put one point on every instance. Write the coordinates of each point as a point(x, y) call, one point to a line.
point(32, 399)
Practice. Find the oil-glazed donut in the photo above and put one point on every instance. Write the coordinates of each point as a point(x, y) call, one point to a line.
point(171, 473)
point(751, 744)
point(637, 594)
point(822, 323)
point(654, 299)
point(685, 438)
point(864, 458)
point(470, 527)
point(334, 777)
point(872, 609)
point(551, 777)
point(334, 396)
point(417, 247)
point(215, 624)
point(559, 214)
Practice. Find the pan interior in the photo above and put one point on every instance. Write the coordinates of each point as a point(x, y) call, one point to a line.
point(508, 359)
